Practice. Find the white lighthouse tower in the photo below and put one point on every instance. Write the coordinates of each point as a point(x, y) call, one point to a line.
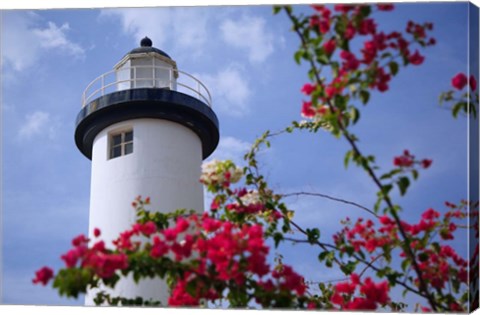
point(146, 126)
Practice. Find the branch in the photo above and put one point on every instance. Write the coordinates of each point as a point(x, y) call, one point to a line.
point(330, 198)
point(371, 173)
point(369, 264)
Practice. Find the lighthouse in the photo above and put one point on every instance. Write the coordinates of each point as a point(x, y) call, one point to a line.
point(146, 126)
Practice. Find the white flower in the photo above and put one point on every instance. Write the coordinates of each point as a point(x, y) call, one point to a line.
point(220, 172)
point(251, 198)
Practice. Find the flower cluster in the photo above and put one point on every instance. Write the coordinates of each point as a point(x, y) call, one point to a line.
point(248, 202)
point(437, 263)
point(334, 31)
point(363, 235)
point(220, 174)
point(222, 252)
point(407, 160)
point(460, 80)
point(98, 258)
point(43, 275)
point(372, 295)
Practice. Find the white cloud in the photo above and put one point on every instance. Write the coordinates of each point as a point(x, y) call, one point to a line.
point(177, 28)
point(249, 33)
point(231, 148)
point(55, 37)
point(230, 90)
point(36, 123)
point(23, 42)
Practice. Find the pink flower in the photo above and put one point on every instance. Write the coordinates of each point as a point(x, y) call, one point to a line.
point(344, 8)
point(416, 59)
point(159, 248)
point(459, 81)
point(329, 46)
point(307, 110)
point(426, 163)
point(430, 214)
point(385, 7)
point(367, 26)
point(43, 275)
point(350, 61)
point(80, 240)
point(148, 228)
point(473, 83)
point(324, 26)
point(70, 258)
point(96, 232)
point(308, 88)
point(403, 161)
point(349, 32)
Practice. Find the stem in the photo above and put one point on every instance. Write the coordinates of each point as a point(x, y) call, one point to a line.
point(369, 264)
point(371, 173)
point(331, 198)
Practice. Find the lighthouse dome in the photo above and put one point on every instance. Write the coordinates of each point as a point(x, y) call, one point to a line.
point(146, 47)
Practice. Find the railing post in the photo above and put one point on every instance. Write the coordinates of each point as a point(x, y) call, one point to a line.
point(103, 84)
point(134, 77)
point(153, 75)
point(198, 89)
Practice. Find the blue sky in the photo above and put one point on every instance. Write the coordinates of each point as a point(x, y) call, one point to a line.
point(244, 56)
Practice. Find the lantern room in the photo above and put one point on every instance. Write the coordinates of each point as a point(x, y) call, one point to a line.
point(146, 67)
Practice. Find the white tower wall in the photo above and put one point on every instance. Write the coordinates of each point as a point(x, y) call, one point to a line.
point(165, 165)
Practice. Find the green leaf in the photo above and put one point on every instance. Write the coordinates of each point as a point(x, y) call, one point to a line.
point(298, 56)
point(403, 183)
point(276, 9)
point(355, 113)
point(323, 59)
point(415, 174)
point(349, 267)
point(323, 255)
point(348, 157)
point(457, 107)
point(405, 264)
point(277, 237)
point(365, 10)
point(386, 189)
point(393, 67)
point(364, 96)
point(313, 235)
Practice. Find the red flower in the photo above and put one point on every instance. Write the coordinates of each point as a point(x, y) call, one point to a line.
point(170, 234)
point(80, 240)
point(70, 258)
point(473, 83)
point(367, 26)
point(148, 228)
point(426, 163)
point(430, 214)
point(329, 46)
point(324, 26)
point(43, 275)
point(403, 161)
point(308, 88)
point(159, 248)
point(349, 32)
point(351, 62)
point(459, 81)
point(416, 59)
point(307, 110)
point(344, 8)
point(385, 7)
point(96, 232)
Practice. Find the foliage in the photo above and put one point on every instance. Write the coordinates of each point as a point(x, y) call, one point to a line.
point(221, 255)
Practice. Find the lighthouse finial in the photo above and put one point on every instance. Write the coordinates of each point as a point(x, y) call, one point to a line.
point(146, 42)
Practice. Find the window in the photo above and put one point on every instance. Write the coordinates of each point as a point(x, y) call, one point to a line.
point(121, 144)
